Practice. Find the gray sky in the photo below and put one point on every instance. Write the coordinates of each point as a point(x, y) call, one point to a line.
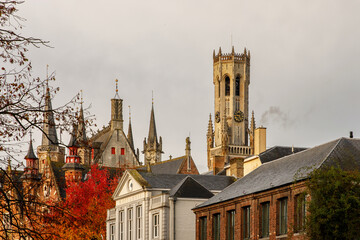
point(304, 63)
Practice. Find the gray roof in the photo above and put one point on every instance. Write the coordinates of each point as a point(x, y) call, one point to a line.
point(168, 181)
point(167, 167)
point(278, 152)
point(343, 152)
point(30, 154)
point(190, 188)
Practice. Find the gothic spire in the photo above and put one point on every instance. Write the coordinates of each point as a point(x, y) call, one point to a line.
point(152, 129)
point(130, 135)
point(49, 136)
point(210, 131)
point(30, 154)
point(73, 139)
point(252, 126)
point(81, 133)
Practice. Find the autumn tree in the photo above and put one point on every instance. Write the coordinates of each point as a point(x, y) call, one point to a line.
point(82, 215)
point(334, 209)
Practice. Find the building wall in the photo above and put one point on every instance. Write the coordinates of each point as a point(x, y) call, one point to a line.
point(254, 201)
point(118, 140)
point(184, 218)
point(251, 164)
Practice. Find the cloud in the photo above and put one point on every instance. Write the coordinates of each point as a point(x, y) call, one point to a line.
point(275, 115)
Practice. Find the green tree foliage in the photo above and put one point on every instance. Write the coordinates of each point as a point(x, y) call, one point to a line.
point(334, 209)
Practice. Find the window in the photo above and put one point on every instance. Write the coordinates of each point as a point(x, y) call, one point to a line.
point(203, 228)
point(138, 222)
point(227, 86)
point(122, 151)
point(112, 232)
point(129, 224)
point(300, 212)
point(216, 226)
point(246, 222)
point(231, 225)
point(282, 216)
point(237, 86)
point(265, 219)
point(112, 150)
point(156, 225)
point(121, 225)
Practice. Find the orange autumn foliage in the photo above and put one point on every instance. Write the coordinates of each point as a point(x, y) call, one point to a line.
point(83, 214)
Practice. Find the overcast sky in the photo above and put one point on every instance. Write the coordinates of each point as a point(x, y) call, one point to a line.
point(304, 63)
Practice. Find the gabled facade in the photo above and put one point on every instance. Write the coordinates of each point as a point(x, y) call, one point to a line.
point(268, 203)
point(158, 206)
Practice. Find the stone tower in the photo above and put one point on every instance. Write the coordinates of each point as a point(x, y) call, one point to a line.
point(152, 148)
point(231, 79)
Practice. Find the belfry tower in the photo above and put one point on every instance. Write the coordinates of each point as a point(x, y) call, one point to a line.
point(229, 137)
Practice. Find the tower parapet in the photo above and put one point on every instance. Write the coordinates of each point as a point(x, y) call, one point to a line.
point(235, 57)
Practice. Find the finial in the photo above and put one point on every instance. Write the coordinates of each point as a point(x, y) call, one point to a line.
point(116, 82)
point(116, 90)
point(245, 50)
point(233, 50)
point(214, 54)
point(219, 50)
point(81, 97)
point(129, 112)
point(152, 96)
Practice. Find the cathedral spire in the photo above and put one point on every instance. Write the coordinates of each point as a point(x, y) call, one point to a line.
point(30, 154)
point(49, 136)
point(152, 137)
point(81, 132)
point(130, 135)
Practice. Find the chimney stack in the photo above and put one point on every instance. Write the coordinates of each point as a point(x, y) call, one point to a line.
point(351, 134)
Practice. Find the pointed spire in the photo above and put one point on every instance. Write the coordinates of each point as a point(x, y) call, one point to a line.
point(245, 51)
point(81, 132)
point(214, 54)
point(73, 139)
point(130, 135)
point(210, 131)
point(152, 128)
point(30, 154)
point(219, 51)
point(49, 136)
point(233, 50)
point(249, 54)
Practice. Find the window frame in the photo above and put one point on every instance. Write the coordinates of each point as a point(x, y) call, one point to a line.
point(265, 220)
point(130, 224)
point(282, 216)
point(138, 222)
point(216, 226)
point(203, 228)
point(156, 225)
point(227, 86)
point(113, 152)
point(230, 223)
point(299, 212)
point(121, 225)
point(246, 222)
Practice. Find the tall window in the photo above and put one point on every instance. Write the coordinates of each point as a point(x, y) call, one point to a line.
point(216, 226)
point(246, 222)
point(282, 216)
point(130, 224)
point(227, 86)
point(265, 219)
point(122, 151)
point(138, 222)
point(237, 86)
point(113, 150)
point(156, 225)
point(112, 232)
point(203, 228)
point(231, 225)
point(121, 225)
point(300, 212)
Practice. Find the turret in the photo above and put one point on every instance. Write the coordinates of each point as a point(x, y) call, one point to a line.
point(73, 169)
point(49, 136)
point(116, 111)
point(32, 164)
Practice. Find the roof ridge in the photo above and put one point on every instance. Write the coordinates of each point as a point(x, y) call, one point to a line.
point(330, 152)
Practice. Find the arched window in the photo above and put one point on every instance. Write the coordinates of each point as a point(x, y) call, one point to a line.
point(227, 86)
point(237, 86)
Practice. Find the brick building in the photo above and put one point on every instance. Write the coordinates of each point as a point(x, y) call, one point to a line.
point(268, 203)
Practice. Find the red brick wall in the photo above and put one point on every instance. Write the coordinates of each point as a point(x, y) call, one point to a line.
point(254, 201)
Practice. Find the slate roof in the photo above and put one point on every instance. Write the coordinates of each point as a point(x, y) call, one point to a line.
point(190, 188)
point(168, 181)
point(343, 152)
point(171, 166)
point(278, 152)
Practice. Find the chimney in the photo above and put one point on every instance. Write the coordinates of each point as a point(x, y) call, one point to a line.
point(351, 134)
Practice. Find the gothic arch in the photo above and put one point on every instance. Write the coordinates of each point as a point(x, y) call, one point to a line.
point(227, 85)
point(237, 85)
